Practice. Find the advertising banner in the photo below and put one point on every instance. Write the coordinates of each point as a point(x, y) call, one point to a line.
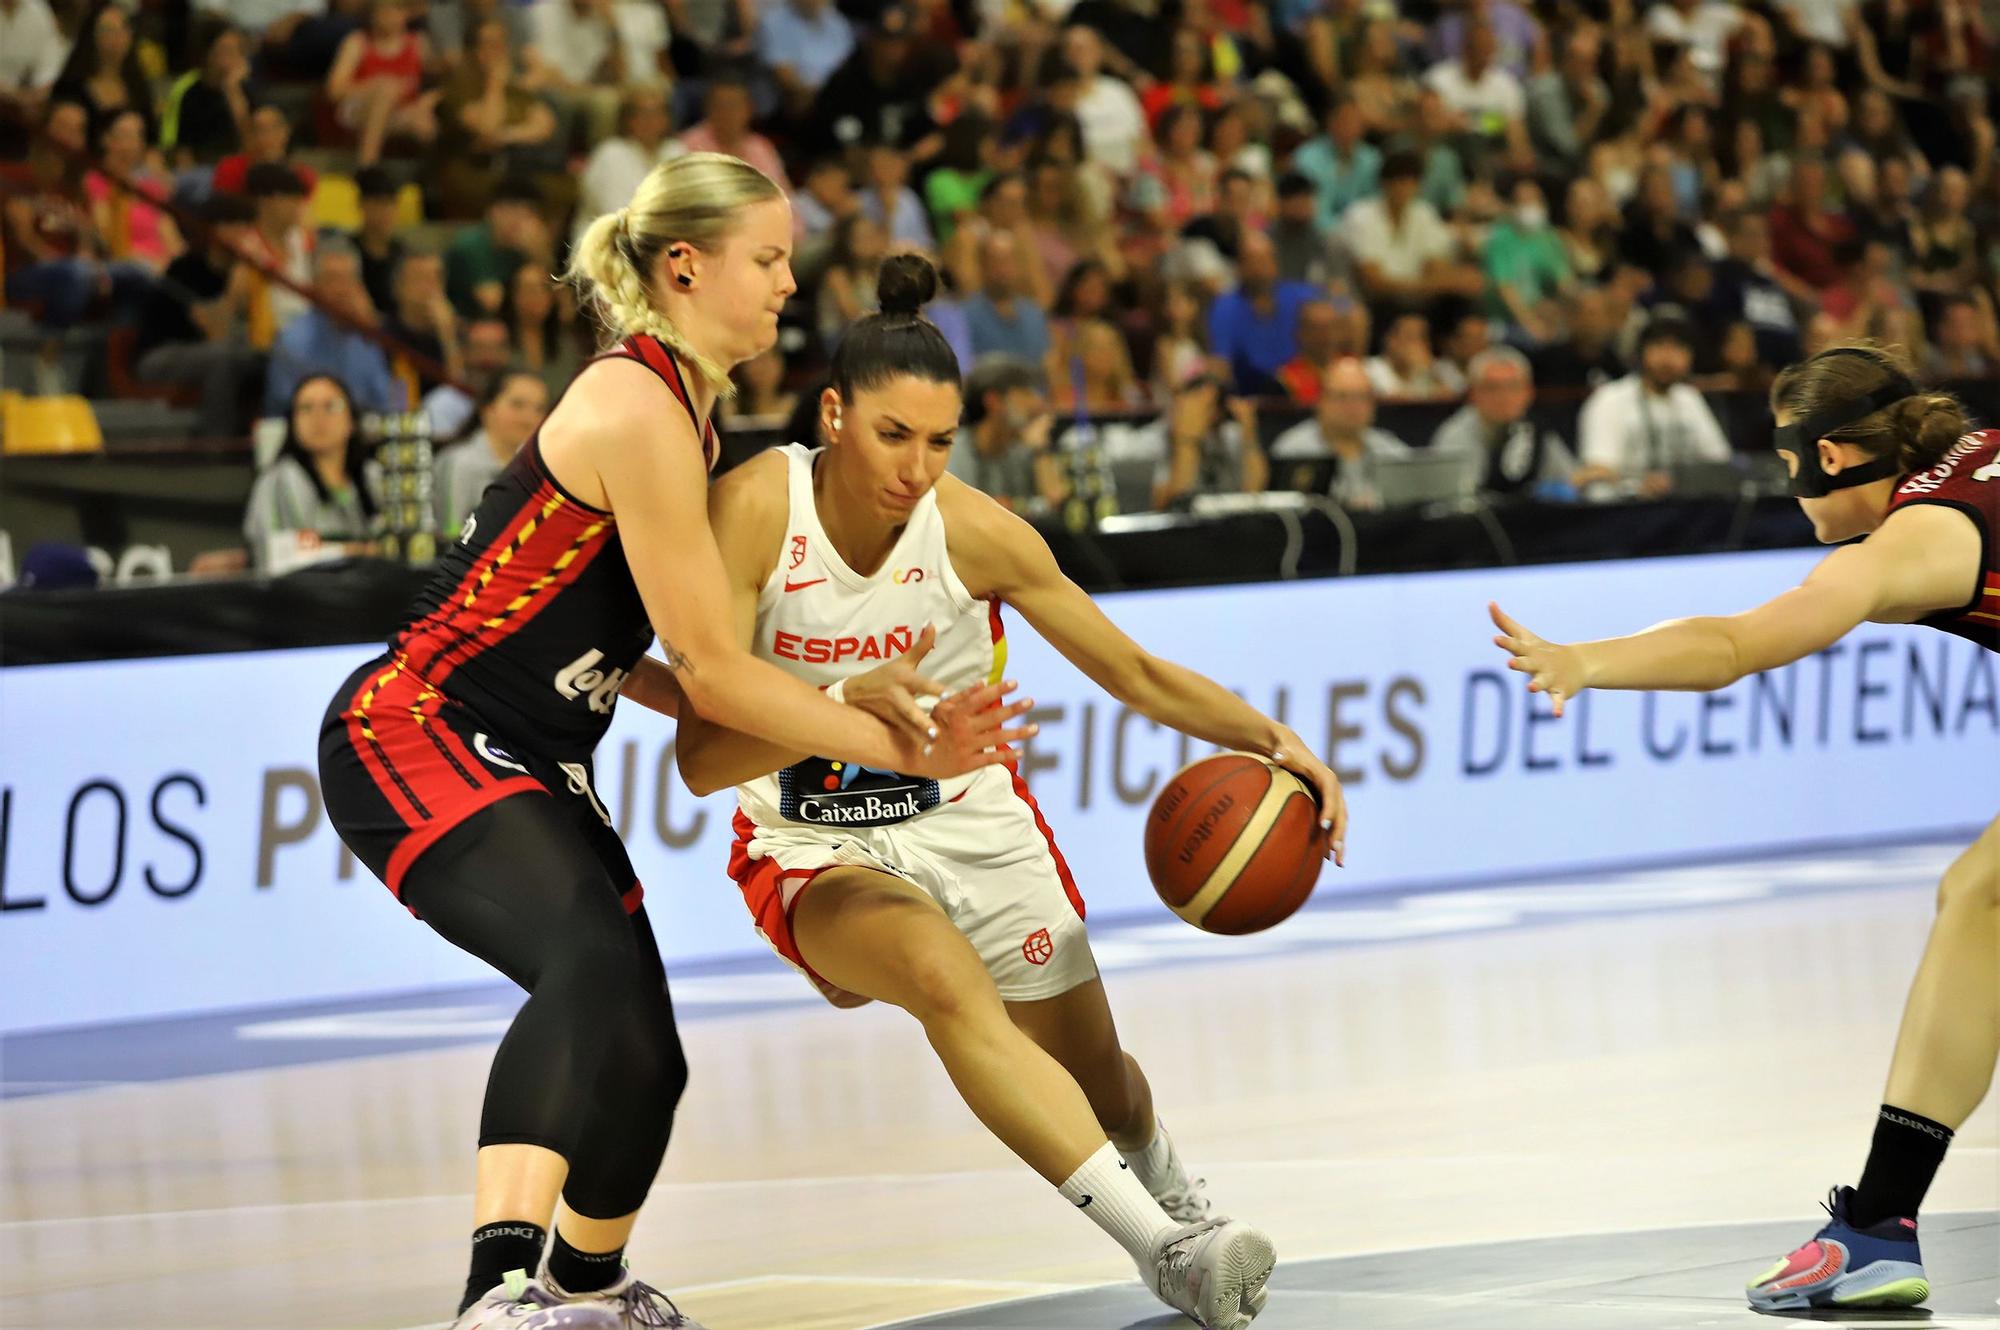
point(163, 847)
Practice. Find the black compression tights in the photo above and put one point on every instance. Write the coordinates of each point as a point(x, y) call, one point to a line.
point(592, 1066)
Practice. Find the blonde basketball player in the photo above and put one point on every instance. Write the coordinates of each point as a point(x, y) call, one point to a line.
point(949, 898)
point(457, 764)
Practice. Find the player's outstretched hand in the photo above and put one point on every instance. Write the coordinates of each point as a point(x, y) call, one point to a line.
point(1551, 667)
point(889, 692)
point(974, 729)
point(1293, 755)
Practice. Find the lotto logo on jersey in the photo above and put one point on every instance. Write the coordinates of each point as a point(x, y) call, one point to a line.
point(1039, 948)
point(582, 678)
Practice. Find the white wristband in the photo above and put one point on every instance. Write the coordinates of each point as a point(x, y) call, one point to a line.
point(837, 691)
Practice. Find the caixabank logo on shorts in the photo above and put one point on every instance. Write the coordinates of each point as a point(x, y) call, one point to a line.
point(825, 793)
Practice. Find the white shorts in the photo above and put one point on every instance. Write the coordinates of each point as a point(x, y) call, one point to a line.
point(987, 858)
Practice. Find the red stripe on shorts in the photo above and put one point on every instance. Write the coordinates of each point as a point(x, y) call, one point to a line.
point(1055, 852)
point(762, 883)
point(422, 838)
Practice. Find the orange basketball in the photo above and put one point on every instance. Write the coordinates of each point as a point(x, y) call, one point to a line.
point(1233, 843)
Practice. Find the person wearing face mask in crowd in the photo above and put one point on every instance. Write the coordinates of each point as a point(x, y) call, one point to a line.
point(1525, 264)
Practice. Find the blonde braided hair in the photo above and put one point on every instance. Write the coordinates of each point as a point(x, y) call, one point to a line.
point(690, 200)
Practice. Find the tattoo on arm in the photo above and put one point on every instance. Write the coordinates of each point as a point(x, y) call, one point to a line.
point(671, 657)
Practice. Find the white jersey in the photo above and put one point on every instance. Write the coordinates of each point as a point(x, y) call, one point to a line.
point(820, 621)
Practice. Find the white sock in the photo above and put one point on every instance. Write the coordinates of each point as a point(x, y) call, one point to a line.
point(1105, 1190)
point(1151, 1163)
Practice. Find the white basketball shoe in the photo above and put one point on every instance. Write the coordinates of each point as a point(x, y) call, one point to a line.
point(1160, 1170)
point(1214, 1272)
point(636, 1305)
point(521, 1303)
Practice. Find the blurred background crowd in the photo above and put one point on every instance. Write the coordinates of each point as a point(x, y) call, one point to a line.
point(1382, 253)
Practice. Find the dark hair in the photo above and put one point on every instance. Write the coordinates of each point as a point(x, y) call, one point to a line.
point(82, 66)
point(1056, 68)
point(268, 180)
point(996, 373)
point(1171, 118)
point(1402, 164)
point(1917, 430)
point(225, 209)
point(203, 34)
point(110, 122)
point(1294, 183)
point(963, 139)
point(518, 189)
point(1079, 272)
point(898, 339)
point(489, 393)
point(841, 254)
point(375, 182)
point(356, 461)
point(999, 181)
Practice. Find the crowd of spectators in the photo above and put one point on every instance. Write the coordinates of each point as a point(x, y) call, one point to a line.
point(1190, 243)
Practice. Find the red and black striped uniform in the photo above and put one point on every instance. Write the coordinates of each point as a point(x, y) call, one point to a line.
point(1968, 479)
point(504, 678)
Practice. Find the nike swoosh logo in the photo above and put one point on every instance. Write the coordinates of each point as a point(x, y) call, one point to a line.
point(1087, 1199)
point(801, 586)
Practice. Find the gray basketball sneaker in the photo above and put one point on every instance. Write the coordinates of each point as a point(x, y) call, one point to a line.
point(638, 1306)
point(1214, 1272)
point(521, 1303)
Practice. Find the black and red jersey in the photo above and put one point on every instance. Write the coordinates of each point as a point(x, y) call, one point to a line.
point(1968, 479)
point(532, 618)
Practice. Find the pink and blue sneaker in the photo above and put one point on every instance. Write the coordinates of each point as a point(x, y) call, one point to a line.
point(1845, 1266)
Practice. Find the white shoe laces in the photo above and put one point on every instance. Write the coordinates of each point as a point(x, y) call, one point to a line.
point(1175, 1258)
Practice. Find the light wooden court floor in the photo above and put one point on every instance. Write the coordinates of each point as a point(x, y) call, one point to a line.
point(1648, 1051)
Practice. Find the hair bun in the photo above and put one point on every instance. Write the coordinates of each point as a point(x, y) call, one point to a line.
point(905, 284)
point(1926, 427)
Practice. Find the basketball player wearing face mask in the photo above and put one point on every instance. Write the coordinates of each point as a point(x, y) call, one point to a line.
point(1871, 454)
point(949, 898)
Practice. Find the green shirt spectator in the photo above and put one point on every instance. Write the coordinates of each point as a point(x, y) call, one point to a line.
point(948, 193)
point(1525, 262)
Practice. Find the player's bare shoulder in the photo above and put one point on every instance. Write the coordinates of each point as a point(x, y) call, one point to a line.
point(749, 507)
point(604, 423)
point(991, 547)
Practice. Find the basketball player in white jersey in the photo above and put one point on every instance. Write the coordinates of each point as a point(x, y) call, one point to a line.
point(949, 897)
